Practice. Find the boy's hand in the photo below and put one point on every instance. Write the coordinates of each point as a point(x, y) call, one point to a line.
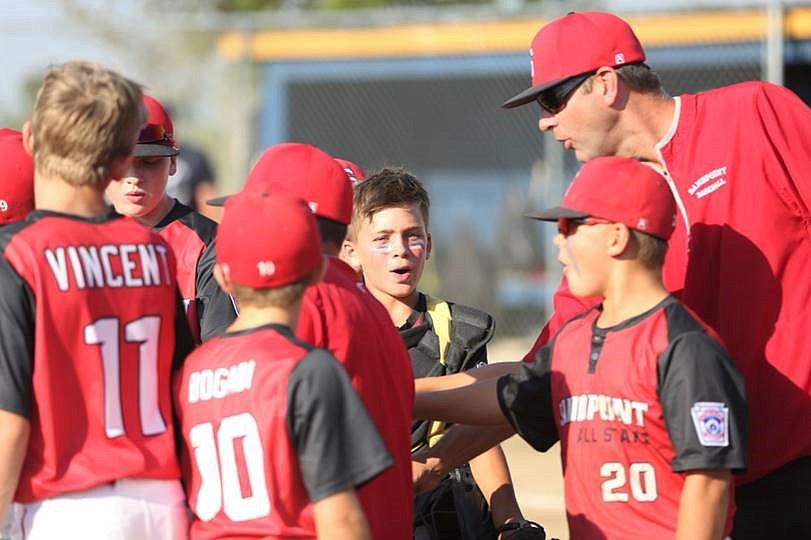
point(427, 473)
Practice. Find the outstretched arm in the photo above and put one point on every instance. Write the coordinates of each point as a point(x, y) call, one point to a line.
point(465, 378)
point(472, 404)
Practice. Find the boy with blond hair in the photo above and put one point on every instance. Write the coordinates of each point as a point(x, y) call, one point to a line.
point(275, 438)
point(390, 243)
point(646, 403)
point(91, 328)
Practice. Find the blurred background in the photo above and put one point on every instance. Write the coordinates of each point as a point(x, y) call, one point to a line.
point(400, 82)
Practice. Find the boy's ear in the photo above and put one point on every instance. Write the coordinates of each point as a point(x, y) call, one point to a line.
point(28, 138)
point(428, 245)
point(172, 165)
point(350, 256)
point(222, 280)
point(619, 240)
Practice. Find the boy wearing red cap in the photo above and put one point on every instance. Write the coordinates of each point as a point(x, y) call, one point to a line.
point(142, 195)
point(275, 437)
point(91, 327)
point(16, 177)
point(341, 316)
point(647, 405)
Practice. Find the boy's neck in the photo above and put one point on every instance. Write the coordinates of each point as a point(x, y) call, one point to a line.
point(254, 317)
point(399, 308)
point(629, 294)
point(56, 195)
point(160, 211)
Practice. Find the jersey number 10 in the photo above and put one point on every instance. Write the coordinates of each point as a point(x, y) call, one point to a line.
point(219, 478)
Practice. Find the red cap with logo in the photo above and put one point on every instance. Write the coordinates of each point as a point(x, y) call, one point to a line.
point(621, 190)
point(16, 177)
point(304, 171)
point(575, 44)
point(265, 242)
point(352, 170)
point(157, 137)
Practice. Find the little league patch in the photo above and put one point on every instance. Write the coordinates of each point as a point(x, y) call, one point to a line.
point(711, 420)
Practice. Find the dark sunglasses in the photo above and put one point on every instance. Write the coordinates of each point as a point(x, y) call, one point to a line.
point(154, 133)
point(567, 226)
point(554, 99)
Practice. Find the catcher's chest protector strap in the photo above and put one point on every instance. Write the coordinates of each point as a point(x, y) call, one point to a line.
point(440, 313)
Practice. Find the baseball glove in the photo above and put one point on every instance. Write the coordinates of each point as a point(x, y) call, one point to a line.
point(522, 529)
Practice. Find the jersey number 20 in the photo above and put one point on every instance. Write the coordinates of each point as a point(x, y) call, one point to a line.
point(642, 478)
point(219, 478)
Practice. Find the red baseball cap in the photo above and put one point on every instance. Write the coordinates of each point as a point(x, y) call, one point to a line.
point(157, 137)
point(352, 170)
point(575, 44)
point(622, 190)
point(16, 177)
point(306, 172)
point(265, 242)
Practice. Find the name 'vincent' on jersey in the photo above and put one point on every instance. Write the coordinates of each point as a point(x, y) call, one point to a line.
point(109, 265)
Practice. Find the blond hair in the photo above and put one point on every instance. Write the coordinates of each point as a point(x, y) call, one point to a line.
point(85, 117)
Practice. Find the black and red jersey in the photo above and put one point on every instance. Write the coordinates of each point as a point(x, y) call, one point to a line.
point(634, 406)
point(269, 425)
point(340, 315)
point(192, 236)
point(737, 159)
point(88, 311)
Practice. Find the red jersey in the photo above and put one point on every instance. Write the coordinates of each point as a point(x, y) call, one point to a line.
point(339, 315)
point(634, 406)
point(738, 160)
point(88, 315)
point(269, 424)
point(192, 236)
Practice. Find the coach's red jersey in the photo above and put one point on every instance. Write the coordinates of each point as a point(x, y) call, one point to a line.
point(738, 159)
point(87, 311)
point(193, 239)
point(339, 315)
point(634, 406)
point(269, 425)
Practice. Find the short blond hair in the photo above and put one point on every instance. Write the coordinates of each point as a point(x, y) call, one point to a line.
point(85, 117)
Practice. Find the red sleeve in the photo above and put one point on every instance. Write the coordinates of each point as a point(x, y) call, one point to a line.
point(310, 326)
point(787, 123)
point(567, 306)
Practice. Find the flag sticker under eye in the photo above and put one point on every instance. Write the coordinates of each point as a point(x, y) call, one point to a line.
point(711, 420)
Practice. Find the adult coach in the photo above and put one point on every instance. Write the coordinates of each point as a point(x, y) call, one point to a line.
point(90, 316)
point(738, 160)
point(141, 194)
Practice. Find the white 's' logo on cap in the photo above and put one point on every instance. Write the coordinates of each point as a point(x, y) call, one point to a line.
point(313, 206)
point(642, 224)
point(266, 268)
point(619, 58)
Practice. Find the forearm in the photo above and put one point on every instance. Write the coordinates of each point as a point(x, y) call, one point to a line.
point(703, 506)
point(474, 404)
point(340, 517)
point(14, 431)
point(492, 475)
point(465, 378)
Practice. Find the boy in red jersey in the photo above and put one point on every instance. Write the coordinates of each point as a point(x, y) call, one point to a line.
point(142, 195)
point(276, 439)
point(89, 311)
point(339, 314)
point(648, 407)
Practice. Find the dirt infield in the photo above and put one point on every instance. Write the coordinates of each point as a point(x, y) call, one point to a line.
point(537, 477)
